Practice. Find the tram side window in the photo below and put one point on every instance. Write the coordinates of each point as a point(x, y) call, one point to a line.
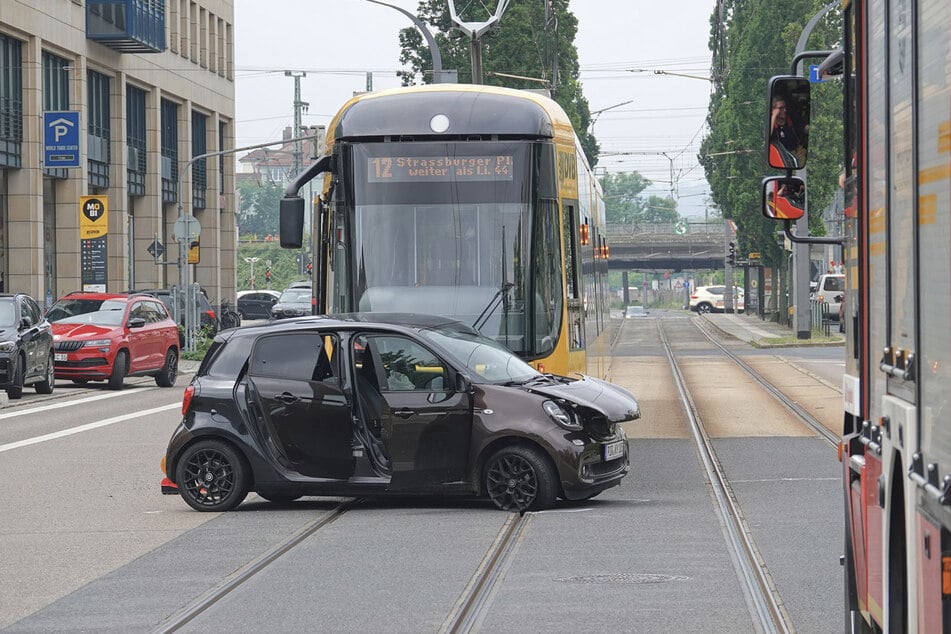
point(547, 266)
point(572, 268)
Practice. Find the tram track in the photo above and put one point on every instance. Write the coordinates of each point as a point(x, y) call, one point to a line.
point(777, 393)
point(186, 615)
point(466, 615)
point(765, 605)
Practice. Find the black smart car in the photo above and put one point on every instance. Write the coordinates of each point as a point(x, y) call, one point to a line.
point(371, 404)
point(26, 346)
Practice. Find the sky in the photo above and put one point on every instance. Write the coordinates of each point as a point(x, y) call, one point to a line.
point(622, 44)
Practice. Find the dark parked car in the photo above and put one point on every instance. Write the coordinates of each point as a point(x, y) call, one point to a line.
point(26, 346)
point(109, 336)
point(294, 302)
point(372, 404)
point(256, 304)
point(208, 318)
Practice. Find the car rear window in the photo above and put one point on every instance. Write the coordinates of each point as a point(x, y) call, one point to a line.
point(834, 284)
point(226, 356)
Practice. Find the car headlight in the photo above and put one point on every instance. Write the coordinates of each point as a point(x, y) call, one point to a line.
point(98, 343)
point(562, 416)
point(8, 346)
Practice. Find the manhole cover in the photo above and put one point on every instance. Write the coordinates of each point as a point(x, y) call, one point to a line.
point(622, 578)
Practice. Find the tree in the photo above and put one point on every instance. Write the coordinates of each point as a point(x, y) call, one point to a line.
point(622, 197)
point(752, 40)
point(259, 208)
point(534, 39)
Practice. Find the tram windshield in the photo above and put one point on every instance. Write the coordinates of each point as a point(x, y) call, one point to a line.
point(455, 229)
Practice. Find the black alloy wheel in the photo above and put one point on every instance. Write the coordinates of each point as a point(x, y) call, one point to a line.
point(212, 476)
point(46, 385)
point(520, 479)
point(15, 387)
point(119, 369)
point(704, 308)
point(169, 372)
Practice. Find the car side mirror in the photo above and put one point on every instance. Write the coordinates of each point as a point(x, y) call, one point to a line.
point(24, 323)
point(462, 383)
point(787, 124)
point(136, 322)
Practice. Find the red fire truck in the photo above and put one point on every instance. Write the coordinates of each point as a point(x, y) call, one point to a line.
point(895, 68)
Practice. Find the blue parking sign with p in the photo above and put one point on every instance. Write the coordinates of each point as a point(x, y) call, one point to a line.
point(61, 138)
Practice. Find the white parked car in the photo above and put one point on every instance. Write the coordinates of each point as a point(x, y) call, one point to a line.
point(709, 299)
point(635, 311)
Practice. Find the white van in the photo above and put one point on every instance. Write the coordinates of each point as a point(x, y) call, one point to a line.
point(829, 290)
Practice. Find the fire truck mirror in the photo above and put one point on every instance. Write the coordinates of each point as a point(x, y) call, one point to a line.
point(788, 122)
point(784, 198)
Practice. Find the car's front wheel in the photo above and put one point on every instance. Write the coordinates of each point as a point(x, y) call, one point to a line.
point(15, 387)
point(520, 479)
point(212, 476)
point(166, 377)
point(46, 385)
point(119, 369)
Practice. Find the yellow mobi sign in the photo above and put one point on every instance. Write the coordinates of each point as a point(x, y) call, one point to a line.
point(93, 217)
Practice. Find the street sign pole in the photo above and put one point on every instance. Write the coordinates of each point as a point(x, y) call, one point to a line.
point(184, 242)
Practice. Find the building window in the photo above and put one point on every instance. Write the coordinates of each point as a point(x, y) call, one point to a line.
point(11, 101)
point(221, 158)
point(98, 131)
point(55, 96)
point(169, 152)
point(135, 140)
point(199, 166)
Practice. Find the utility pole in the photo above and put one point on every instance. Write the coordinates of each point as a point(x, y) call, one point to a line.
point(299, 108)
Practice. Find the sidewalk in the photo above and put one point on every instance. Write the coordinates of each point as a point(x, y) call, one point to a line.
point(766, 334)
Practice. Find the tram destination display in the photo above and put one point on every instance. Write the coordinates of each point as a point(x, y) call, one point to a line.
point(408, 169)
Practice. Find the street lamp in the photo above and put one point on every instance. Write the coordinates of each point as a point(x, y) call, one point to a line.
point(251, 261)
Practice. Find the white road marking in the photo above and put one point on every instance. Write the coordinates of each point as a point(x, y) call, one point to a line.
point(61, 404)
point(90, 426)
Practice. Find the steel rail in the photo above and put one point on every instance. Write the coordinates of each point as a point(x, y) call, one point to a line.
point(184, 616)
point(474, 602)
point(761, 593)
point(793, 406)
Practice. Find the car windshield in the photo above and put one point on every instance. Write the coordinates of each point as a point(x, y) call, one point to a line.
point(100, 312)
point(295, 296)
point(481, 355)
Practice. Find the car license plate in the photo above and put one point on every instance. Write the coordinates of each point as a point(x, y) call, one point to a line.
point(614, 450)
point(59, 356)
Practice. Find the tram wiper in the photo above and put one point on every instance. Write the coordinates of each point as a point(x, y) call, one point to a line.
point(499, 298)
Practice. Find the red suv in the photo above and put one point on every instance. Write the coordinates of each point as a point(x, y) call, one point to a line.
point(109, 336)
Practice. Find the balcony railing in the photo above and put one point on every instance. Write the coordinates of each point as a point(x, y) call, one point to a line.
point(128, 26)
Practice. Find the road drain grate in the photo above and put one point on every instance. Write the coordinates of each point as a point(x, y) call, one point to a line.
point(622, 578)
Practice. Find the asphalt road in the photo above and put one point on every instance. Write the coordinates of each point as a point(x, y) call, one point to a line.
point(89, 544)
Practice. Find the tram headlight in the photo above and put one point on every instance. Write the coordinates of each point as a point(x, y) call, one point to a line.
point(562, 416)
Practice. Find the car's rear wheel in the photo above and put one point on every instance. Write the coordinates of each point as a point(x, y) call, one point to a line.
point(46, 385)
point(15, 388)
point(212, 476)
point(119, 369)
point(166, 377)
point(704, 308)
point(520, 479)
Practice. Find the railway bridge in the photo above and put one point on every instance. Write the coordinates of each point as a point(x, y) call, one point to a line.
point(669, 246)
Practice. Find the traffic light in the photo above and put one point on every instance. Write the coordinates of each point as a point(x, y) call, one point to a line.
point(267, 274)
point(310, 268)
point(731, 256)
